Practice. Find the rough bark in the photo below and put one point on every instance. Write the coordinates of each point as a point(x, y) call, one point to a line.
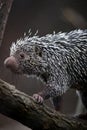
point(21, 107)
point(5, 6)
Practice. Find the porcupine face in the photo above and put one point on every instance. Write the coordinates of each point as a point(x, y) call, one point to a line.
point(29, 58)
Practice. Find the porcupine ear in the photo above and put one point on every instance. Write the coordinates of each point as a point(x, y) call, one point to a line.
point(38, 50)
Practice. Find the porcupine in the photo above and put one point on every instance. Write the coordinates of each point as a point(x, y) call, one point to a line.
point(60, 60)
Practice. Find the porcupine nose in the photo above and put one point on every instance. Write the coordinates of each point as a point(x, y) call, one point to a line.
point(11, 63)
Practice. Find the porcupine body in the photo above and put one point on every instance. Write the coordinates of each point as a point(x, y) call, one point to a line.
point(60, 60)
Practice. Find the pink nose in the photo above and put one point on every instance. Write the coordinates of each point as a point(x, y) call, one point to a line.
point(11, 63)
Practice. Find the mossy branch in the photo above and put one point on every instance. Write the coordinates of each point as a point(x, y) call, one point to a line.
point(21, 107)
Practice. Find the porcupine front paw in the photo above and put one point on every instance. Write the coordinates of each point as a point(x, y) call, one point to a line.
point(38, 98)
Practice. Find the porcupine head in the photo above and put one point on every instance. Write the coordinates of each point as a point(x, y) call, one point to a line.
point(28, 56)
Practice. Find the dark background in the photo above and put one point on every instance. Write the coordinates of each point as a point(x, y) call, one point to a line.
point(45, 16)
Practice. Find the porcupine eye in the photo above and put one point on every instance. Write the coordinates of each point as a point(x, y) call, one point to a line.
point(22, 55)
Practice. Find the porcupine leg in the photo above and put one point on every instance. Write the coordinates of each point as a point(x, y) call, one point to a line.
point(57, 102)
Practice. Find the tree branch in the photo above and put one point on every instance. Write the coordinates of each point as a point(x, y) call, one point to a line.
point(5, 6)
point(21, 107)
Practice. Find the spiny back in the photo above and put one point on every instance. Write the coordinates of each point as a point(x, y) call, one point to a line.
point(59, 40)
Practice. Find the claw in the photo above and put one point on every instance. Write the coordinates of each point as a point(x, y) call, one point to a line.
point(38, 98)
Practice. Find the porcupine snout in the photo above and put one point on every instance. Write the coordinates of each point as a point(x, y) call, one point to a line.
point(11, 63)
